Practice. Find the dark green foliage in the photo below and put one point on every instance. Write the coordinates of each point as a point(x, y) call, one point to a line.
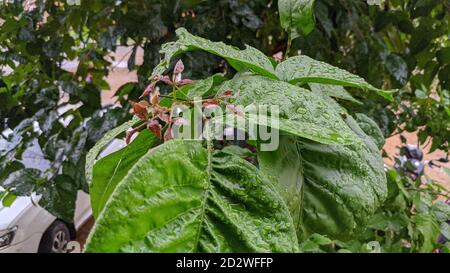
point(400, 45)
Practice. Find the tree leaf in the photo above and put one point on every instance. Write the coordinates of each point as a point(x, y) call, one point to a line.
point(342, 186)
point(99, 145)
point(8, 199)
point(429, 230)
point(248, 59)
point(314, 242)
point(303, 69)
point(285, 167)
point(22, 182)
point(334, 91)
point(184, 198)
point(110, 170)
point(371, 129)
point(60, 198)
point(445, 230)
point(397, 67)
point(296, 17)
point(302, 113)
point(201, 88)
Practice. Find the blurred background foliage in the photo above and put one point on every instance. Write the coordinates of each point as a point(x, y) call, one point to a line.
point(400, 45)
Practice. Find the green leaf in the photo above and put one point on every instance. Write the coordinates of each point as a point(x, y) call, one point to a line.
point(8, 199)
point(302, 113)
point(286, 168)
point(60, 198)
point(395, 222)
point(296, 17)
point(314, 243)
point(237, 151)
point(397, 67)
point(334, 91)
point(441, 211)
point(184, 198)
point(21, 182)
point(371, 129)
point(443, 55)
point(248, 59)
point(429, 230)
point(341, 186)
point(445, 230)
point(201, 88)
point(303, 69)
point(330, 189)
point(98, 147)
point(110, 170)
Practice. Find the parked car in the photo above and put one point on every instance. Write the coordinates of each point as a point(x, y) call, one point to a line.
point(27, 227)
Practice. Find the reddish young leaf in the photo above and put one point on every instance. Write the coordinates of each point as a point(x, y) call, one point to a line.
point(140, 109)
point(210, 102)
point(184, 82)
point(164, 79)
point(235, 109)
point(164, 116)
point(149, 90)
point(228, 93)
point(129, 134)
point(179, 67)
point(180, 121)
point(154, 99)
point(168, 135)
point(155, 127)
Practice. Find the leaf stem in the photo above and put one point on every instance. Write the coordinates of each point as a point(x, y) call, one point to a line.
point(173, 97)
point(288, 48)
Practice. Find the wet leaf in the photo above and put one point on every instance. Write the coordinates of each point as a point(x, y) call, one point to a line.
point(303, 69)
point(301, 112)
point(111, 169)
point(296, 17)
point(207, 202)
point(248, 59)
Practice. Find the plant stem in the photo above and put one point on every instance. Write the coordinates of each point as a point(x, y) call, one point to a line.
point(288, 48)
point(173, 97)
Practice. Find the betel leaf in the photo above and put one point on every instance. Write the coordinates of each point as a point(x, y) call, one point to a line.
point(301, 112)
point(183, 197)
point(247, 59)
point(296, 17)
point(100, 145)
point(303, 69)
point(341, 185)
point(110, 170)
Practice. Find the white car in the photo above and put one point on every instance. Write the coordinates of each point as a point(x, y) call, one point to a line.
point(27, 227)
